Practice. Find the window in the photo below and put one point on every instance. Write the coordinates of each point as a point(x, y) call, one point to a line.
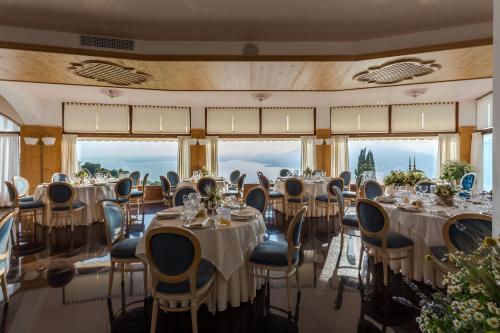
point(394, 153)
point(487, 162)
point(7, 125)
point(250, 156)
point(153, 157)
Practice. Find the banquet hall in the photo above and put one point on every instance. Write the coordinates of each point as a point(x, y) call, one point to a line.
point(221, 166)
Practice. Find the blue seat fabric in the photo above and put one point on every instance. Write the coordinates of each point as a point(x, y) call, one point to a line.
point(125, 249)
point(272, 253)
point(205, 272)
point(394, 240)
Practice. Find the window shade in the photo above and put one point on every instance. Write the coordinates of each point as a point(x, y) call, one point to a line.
point(360, 119)
point(484, 112)
point(435, 117)
point(233, 121)
point(96, 118)
point(288, 121)
point(161, 120)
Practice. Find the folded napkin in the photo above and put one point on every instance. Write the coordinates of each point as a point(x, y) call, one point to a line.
point(199, 222)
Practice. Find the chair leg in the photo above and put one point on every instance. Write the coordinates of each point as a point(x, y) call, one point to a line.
point(111, 273)
point(145, 280)
point(342, 235)
point(384, 263)
point(214, 300)
point(297, 278)
point(4, 289)
point(154, 316)
point(194, 317)
point(361, 252)
point(289, 293)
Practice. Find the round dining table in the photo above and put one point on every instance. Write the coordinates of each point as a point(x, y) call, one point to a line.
point(313, 188)
point(227, 247)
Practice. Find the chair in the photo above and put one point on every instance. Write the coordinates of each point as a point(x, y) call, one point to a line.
point(123, 189)
point(284, 172)
point(121, 250)
point(374, 226)
point(295, 196)
point(327, 200)
point(427, 183)
point(239, 188)
point(273, 256)
point(23, 188)
point(257, 198)
point(205, 185)
point(173, 178)
point(166, 191)
point(467, 183)
point(233, 179)
point(31, 208)
point(178, 199)
point(137, 196)
point(274, 197)
point(179, 278)
point(352, 195)
point(346, 176)
point(136, 178)
point(60, 177)
point(5, 228)
point(372, 189)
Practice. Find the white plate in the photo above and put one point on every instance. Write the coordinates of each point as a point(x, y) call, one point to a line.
point(410, 208)
point(168, 214)
point(242, 214)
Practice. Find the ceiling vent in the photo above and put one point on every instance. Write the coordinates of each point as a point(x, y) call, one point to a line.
point(106, 42)
point(103, 71)
point(397, 70)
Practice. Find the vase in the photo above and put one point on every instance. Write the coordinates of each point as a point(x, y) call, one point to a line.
point(444, 201)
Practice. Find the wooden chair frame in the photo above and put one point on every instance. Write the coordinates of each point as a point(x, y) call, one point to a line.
point(139, 201)
point(202, 179)
point(14, 181)
point(369, 182)
point(266, 194)
point(299, 196)
point(331, 202)
point(167, 197)
point(125, 205)
point(272, 201)
point(177, 190)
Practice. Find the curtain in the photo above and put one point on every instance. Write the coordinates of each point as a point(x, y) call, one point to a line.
point(9, 163)
point(69, 163)
point(340, 154)
point(448, 149)
point(212, 156)
point(184, 156)
point(308, 156)
point(476, 158)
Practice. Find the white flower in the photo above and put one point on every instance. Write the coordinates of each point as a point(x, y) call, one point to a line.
point(478, 316)
point(456, 323)
point(493, 322)
point(465, 316)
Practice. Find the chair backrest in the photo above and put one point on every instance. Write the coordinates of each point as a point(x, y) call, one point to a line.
point(468, 180)
point(339, 199)
point(257, 198)
point(465, 232)
point(264, 181)
point(144, 184)
point(294, 187)
point(284, 172)
point(335, 182)
point(60, 194)
point(60, 177)
point(241, 182)
point(13, 195)
point(179, 194)
point(165, 186)
point(359, 182)
point(234, 176)
point(372, 219)
point(173, 268)
point(22, 185)
point(346, 176)
point(205, 185)
point(173, 178)
point(294, 233)
point(123, 188)
point(427, 183)
point(135, 176)
point(114, 218)
point(372, 189)
point(5, 226)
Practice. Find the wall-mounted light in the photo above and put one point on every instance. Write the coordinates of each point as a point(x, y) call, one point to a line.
point(30, 141)
point(202, 141)
point(329, 141)
point(319, 142)
point(48, 140)
point(192, 142)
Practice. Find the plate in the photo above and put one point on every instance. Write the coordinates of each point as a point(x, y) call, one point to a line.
point(200, 223)
point(169, 214)
point(385, 199)
point(242, 214)
point(410, 208)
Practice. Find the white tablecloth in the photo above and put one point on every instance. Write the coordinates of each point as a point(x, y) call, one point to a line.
point(312, 189)
point(89, 194)
point(227, 248)
point(425, 230)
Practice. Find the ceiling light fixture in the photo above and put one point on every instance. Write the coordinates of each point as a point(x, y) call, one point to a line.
point(415, 92)
point(112, 93)
point(261, 96)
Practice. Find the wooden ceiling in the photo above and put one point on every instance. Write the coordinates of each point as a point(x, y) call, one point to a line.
point(304, 74)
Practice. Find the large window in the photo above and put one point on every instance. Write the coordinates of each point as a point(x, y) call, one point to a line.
point(153, 157)
point(250, 156)
point(487, 162)
point(387, 154)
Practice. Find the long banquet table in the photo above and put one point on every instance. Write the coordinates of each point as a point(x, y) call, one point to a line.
point(227, 248)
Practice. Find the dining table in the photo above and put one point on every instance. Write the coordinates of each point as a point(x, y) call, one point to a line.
point(193, 182)
point(227, 247)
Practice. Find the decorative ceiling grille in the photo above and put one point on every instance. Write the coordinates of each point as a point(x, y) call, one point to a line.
point(109, 72)
point(397, 71)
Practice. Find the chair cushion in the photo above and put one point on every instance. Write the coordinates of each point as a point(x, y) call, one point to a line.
point(77, 204)
point(351, 221)
point(125, 249)
point(349, 194)
point(31, 204)
point(136, 193)
point(26, 198)
point(205, 272)
point(439, 252)
point(272, 253)
point(394, 240)
point(118, 201)
point(324, 198)
point(276, 195)
point(304, 199)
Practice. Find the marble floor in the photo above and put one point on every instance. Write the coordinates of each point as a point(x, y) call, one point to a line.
point(67, 292)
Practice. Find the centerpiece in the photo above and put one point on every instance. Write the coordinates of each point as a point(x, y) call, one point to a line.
point(445, 193)
point(204, 172)
point(307, 173)
point(398, 178)
point(213, 199)
point(453, 171)
point(81, 175)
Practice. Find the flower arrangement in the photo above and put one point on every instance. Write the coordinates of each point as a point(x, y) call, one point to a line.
point(472, 299)
point(307, 172)
point(204, 172)
point(81, 174)
point(214, 198)
point(455, 170)
point(445, 194)
point(402, 178)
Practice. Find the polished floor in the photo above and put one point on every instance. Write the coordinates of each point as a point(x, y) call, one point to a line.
point(67, 292)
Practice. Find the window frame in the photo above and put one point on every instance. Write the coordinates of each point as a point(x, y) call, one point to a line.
point(15, 122)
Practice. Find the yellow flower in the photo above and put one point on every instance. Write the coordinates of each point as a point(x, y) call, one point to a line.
point(428, 258)
point(490, 241)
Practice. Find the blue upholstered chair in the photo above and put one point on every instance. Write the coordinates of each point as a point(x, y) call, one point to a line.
point(59, 177)
point(31, 208)
point(427, 183)
point(240, 187)
point(205, 185)
point(166, 191)
point(123, 189)
point(257, 198)
point(352, 195)
point(372, 189)
point(180, 192)
point(181, 278)
point(346, 176)
point(173, 178)
point(121, 250)
point(233, 179)
point(467, 184)
point(5, 228)
point(295, 195)
point(137, 196)
point(374, 225)
point(283, 257)
point(63, 204)
point(136, 178)
point(23, 188)
point(275, 198)
point(284, 172)
point(327, 200)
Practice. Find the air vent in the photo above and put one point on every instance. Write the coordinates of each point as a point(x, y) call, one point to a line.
point(397, 71)
point(106, 42)
point(103, 71)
